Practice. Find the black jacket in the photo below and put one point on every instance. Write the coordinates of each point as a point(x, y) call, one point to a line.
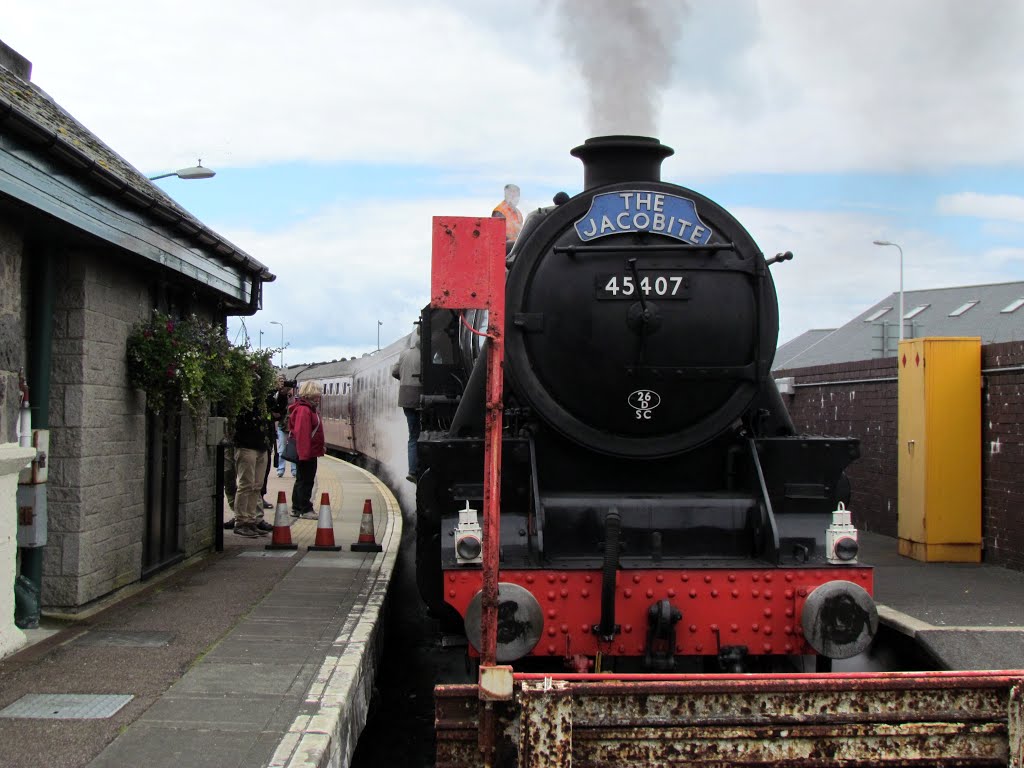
point(277, 404)
point(252, 430)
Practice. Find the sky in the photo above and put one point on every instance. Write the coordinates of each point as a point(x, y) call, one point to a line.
point(338, 128)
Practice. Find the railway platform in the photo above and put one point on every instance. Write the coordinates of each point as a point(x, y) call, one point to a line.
point(246, 657)
point(964, 616)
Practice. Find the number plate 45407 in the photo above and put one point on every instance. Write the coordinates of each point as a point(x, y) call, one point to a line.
point(653, 284)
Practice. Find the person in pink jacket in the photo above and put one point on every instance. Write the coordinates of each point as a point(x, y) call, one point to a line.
point(304, 425)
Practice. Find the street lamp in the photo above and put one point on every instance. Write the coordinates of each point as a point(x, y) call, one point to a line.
point(195, 172)
point(274, 322)
point(896, 246)
point(379, 324)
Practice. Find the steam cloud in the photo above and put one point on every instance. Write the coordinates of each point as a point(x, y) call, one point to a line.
point(624, 51)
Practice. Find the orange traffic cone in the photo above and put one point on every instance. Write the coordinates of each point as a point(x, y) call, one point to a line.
point(324, 528)
point(366, 542)
point(281, 538)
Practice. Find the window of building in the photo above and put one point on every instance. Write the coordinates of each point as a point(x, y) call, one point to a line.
point(875, 315)
point(1013, 307)
point(916, 311)
point(963, 308)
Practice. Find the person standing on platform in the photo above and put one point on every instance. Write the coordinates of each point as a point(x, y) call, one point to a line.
point(508, 211)
point(251, 444)
point(271, 448)
point(304, 425)
point(230, 479)
point(407, 371)
point(279, 411)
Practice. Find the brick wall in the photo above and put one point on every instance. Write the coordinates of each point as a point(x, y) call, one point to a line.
point(861, 401)
point(1002, 457)
point(866, 410)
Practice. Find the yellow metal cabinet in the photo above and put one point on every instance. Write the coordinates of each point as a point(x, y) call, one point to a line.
point(939, 448)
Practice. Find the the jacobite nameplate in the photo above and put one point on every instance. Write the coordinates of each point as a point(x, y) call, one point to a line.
point(613, 213)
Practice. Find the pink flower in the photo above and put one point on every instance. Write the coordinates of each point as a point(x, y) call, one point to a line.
point(170, 326)
point(170, 371)
point(148, 334)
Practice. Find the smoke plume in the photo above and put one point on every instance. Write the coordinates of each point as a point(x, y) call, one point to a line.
point(624, 52)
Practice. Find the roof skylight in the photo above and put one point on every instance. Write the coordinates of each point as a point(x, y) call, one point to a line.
point(1013, 307)
point(963, 308)
point(877, 314)
point(916, 311)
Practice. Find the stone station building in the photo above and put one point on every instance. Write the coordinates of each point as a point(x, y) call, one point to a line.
point(89, 247)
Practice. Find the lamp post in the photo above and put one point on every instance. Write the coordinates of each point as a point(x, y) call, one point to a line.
point(379, 324)
point(274, 322)
point(897, 247)
point(195, 172)
point(261, 339)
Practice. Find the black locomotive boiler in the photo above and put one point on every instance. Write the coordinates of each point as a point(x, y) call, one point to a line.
point(657, 504)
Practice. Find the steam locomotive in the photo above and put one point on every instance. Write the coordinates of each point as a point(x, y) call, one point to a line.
point(658, 508)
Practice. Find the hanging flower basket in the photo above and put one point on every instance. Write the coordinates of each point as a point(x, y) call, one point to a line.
point(190, 362)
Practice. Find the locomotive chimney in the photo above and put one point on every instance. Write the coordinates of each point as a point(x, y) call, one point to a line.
point(613, 159)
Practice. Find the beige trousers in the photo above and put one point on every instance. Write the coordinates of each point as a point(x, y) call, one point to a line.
point(250, 465)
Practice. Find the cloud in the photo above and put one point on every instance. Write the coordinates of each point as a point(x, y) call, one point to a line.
point(756, 87)
point(488, 94)
point(837, 272)
point(1001, 207)
point(832, 87)
point(344, 269)
point(252, 83)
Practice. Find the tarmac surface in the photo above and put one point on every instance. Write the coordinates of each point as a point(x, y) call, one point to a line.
point(247, 658)
point(964, 616)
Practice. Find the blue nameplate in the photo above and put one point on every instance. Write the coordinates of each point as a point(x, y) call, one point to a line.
point(612, 213)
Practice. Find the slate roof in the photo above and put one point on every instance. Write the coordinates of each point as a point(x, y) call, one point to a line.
point(861, 338)
point(795, 347)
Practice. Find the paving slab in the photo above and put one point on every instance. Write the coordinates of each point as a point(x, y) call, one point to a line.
point(218, 712)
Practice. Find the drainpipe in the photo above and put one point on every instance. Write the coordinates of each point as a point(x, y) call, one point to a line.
point(42, 293)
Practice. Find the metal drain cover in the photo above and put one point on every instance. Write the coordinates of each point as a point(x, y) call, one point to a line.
point(66, 706)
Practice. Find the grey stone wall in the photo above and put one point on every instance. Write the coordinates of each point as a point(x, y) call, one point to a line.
point(12, 326)
point(98, 440)
point(198, 475)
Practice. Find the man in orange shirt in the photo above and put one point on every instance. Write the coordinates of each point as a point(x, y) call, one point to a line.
point(508, 211)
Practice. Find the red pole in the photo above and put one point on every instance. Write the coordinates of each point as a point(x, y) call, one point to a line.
point(492, 484)
point(468, 272)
